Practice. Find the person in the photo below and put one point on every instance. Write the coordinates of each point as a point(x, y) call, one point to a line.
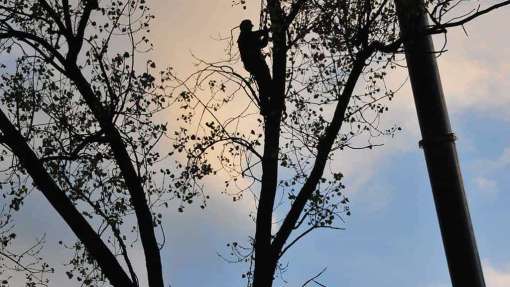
point(250, 44)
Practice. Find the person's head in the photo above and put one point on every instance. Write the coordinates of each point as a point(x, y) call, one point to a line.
point(246, 25)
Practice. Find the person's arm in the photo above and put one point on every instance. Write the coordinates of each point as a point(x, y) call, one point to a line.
point(262, 36)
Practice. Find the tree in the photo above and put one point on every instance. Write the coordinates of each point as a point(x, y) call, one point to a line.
point(77, 123)
point(318, 106)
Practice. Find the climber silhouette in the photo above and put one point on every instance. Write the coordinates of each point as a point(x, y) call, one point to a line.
point(250, 44)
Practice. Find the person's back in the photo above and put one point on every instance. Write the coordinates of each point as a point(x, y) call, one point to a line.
point(250, 44)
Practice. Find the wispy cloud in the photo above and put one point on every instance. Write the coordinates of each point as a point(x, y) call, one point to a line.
point(486, 185)
point(490, 165)
point(495, 276)
point(475, 73)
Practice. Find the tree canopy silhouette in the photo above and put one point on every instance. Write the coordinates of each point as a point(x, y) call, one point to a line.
point(78, 101)
point(329, 61)
point(77, 123)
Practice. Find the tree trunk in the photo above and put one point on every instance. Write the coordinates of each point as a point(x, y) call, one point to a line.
point(265, 259)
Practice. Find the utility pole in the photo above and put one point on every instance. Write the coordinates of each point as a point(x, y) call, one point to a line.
point(438, 143)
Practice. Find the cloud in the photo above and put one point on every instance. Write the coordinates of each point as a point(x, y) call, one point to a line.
point(473, 85)
point(500, 162)
point(486, 170)
point(183, 27)
point(474, 73)
point(504, 159)
point(496, 277)
point(475, 78)
point(486, 185)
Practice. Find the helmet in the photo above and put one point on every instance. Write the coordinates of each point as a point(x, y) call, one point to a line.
point(246, 25)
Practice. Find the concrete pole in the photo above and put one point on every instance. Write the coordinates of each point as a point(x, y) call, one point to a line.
point(438, 143)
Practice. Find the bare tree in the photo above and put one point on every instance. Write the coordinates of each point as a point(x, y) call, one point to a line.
point(327, 92)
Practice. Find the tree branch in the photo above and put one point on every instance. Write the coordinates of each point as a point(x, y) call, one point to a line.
point(57, 198)
point(54, 15)
point(76, 43)
point(323, 149)
point(11, 33)
point(463, 21)
point(129, 174)
point(294, 11)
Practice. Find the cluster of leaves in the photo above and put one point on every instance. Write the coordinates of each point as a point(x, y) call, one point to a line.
point(26, 262)
point(321, 62)
point(330, 47)
point(322, 48)
point(214, 143)
point(46, 106)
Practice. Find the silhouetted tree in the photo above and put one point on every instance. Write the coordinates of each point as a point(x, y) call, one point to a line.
point(76, 122)
point(318, 53)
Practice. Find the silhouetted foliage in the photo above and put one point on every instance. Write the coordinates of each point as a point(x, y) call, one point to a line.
point(77, 122)
point(329, 61)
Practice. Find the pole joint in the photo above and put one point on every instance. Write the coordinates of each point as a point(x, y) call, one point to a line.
point(446, 138)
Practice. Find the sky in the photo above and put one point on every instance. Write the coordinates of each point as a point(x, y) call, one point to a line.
point(392, 237)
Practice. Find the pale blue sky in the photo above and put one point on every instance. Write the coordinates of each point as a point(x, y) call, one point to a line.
point(392, 238)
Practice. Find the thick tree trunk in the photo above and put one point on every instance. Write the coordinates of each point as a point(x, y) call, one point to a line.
point(265, 259)
point(109, 265)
